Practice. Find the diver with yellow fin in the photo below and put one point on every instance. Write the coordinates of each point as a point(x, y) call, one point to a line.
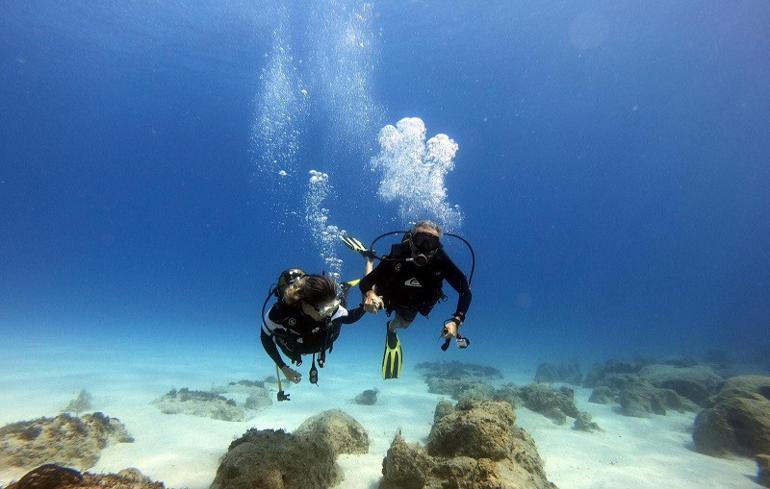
point(409, 281)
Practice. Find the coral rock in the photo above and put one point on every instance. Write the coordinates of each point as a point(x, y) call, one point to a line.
point(269, 459)
point(70, 440)
point(337, 429)
point(738, 420)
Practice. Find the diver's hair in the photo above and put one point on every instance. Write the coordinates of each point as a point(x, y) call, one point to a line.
point(318, 289)
point(427, 224)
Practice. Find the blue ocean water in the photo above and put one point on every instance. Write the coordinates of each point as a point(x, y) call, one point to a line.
point(612, 170)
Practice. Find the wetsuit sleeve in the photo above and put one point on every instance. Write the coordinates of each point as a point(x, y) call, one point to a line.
point(272, 350)
point(268, 326)
point(459, 282)
point(352, 316)
point(370, 280)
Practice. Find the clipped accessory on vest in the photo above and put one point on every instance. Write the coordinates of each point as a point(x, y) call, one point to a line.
point(313, 375)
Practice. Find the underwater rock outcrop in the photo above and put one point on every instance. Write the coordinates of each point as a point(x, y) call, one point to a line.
point(623, 383)
point(51, 476)
point(459, 380)
point(80, 404)
point(65, 439)
point(763, 470)
point(458, 370)
point(602, 395)
point(475, 445)
point(696, 383)
point(274, 459)
point(257, 395)
point(737, 420)
point(199, 403)
point(600, 372)
point(639, 399)
point(566, 372)
point(367, 397)
point(554, 404)
point(337, 429)
point(583, 423)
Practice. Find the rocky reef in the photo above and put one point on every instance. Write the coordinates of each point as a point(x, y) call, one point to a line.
point(475, 444)
point(52, 476)
point(367, 397)
point(199, 403)
point(235, 401)
point(470, 382)
point(459, 380)
point(338, 430)
point(737, 419)
point(643, 389)
point(763, 470)
point(79, 404)
point(568, 373)
point(69, 440)
point(306, 459)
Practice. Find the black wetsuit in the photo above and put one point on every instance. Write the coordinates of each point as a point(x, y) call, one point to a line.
point(296, 333)
point(408, 289)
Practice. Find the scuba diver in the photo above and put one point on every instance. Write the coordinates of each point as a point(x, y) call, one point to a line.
point(306, 319)
point(408, 281)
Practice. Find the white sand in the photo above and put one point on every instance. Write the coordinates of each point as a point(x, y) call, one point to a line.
point(183, 451)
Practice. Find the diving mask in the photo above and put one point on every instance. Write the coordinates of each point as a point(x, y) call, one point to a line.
point(321, 311)
point(423, 246)
point(425, 242)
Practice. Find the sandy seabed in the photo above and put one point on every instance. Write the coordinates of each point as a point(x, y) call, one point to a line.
point(184, 451)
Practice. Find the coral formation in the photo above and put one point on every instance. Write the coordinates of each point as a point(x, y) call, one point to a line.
point(567, 372)
point(199, 403)
point(52, 476)
point(367, 397)
point(339, 430)
point(737, 420)
point(476, 445)
point(273, 459)
point(80, 404)
point(65, 439)
point(763, 470)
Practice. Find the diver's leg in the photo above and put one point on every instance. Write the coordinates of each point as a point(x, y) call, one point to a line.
point(403, 319)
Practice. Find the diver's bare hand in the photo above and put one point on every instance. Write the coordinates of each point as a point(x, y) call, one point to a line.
point(291, 374)
point(450, 330)
point(372, 302)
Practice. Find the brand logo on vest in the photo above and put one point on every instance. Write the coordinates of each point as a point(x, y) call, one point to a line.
point(413, 282)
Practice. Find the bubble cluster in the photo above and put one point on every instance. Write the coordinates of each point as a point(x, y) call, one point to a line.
point(343, 64)
point(413, 172)
point(279, 112)
point(325, 236)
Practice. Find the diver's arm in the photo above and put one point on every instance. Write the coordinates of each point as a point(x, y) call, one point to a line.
point(352, 316)
point(372, 301)
point(459, 282)
point(272, 350)
point(367, 283)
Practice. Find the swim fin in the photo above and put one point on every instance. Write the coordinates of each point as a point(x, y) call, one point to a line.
point(393, 356)
point(357, 246)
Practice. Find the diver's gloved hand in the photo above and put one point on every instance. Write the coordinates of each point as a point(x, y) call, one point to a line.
point(372, 302)
point(291, 374)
